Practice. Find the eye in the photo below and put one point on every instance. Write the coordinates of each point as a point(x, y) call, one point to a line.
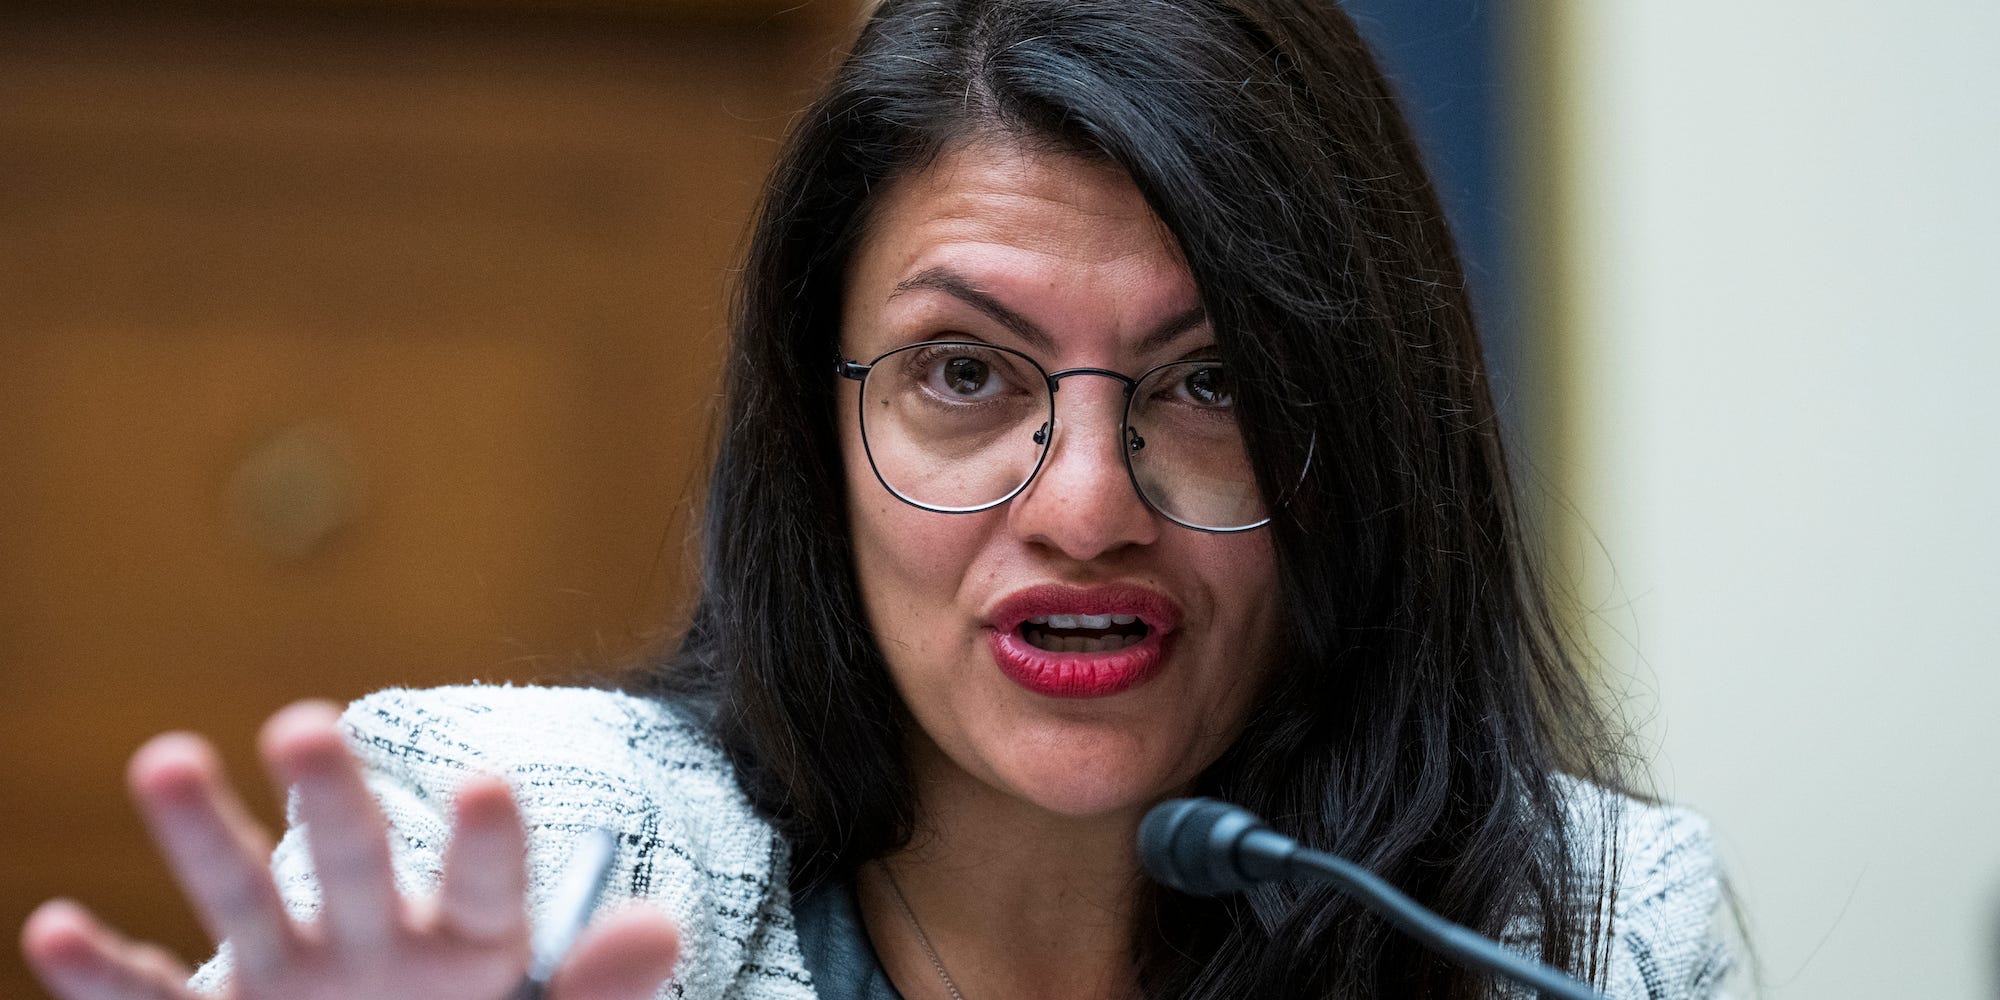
point(966, 376)
point(1209, 386)
point(962, 374)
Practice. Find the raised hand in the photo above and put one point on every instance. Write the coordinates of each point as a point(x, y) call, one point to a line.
point(369, 943)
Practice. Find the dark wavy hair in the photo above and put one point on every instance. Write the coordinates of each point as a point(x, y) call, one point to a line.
point(1424, 720)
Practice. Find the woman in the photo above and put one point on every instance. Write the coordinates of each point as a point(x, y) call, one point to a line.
point(1105, 423)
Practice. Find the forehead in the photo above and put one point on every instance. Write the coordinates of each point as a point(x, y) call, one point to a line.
point(1008, 214)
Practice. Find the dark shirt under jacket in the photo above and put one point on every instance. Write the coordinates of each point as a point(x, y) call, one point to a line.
point(836, 946)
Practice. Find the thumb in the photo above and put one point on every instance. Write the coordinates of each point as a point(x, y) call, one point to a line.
point(624, 956)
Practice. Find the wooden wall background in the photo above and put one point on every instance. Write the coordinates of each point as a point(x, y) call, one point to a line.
point(343, 346)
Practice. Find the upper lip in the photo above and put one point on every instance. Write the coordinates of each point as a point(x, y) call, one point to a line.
point(1160, 612)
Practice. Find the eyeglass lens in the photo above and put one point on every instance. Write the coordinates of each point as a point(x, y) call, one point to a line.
point(1186, 448)
point(961, 427)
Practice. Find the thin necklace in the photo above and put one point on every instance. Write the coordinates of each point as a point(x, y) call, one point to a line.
point(922, 938)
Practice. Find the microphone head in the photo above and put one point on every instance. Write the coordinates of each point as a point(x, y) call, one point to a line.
point(1190, 845)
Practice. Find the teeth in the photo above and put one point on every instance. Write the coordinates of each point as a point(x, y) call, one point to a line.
point(1080, 644)
point(1082, 621)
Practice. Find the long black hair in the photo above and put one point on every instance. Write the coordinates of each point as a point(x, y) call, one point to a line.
point(1424, 720)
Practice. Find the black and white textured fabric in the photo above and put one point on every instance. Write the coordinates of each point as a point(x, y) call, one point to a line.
point(578, 760)
point(689, 842)
point(1667, 940)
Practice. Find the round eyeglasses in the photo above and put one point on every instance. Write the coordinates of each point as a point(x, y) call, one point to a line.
point(961, 426)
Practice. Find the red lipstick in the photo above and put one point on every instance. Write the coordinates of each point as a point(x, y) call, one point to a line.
point(1081, 674)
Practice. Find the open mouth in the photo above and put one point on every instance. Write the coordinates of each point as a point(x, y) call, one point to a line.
point(1043, 640)
point(1083, 633)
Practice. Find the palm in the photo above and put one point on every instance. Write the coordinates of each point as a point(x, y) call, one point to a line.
point(468, 943)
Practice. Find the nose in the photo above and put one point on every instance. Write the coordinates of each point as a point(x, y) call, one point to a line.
point(1082, 503)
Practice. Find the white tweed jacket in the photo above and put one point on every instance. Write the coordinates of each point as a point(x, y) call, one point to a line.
point(689, 842)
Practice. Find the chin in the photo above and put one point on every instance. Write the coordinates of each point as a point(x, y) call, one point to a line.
point(1090, 802)
point(1087, 781)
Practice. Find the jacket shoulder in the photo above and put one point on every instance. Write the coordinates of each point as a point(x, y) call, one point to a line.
point(1665, 894)
point(579, 759)
point(537, 735)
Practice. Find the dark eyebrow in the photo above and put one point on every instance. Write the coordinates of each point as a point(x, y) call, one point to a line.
point(1165, 333)
point(942, 279)
point(939, 279)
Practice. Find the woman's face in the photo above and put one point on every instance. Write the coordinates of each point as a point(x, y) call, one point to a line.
point(1060, 258)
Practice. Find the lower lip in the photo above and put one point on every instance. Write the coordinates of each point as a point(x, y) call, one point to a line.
point(1076, 675)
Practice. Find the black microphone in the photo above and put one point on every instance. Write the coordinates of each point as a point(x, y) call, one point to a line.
point(1204, 847)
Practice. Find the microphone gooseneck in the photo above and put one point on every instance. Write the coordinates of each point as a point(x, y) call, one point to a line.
point(1206, 847)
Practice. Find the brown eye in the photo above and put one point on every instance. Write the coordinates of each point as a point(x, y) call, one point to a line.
point(966, 376)
point(1212, 387)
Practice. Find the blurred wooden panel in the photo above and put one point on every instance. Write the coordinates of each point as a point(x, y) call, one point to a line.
point(337, 354)
point(785, 15)
point(682, 12)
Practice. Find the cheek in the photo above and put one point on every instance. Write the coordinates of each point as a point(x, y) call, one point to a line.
point(901, 553)
point(910, 563)
point(1245, 579)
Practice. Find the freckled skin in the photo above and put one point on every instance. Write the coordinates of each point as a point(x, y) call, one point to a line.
point(1070, 245)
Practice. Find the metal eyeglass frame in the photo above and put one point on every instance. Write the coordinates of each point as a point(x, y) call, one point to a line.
point(858, 372)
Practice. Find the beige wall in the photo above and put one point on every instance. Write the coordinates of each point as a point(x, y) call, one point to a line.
point(1777, 372)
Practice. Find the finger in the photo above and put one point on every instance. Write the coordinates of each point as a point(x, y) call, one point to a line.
point(79, 958)
point(484, 896)
point(217, 852)
point(345, 832)
point(624, 956)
